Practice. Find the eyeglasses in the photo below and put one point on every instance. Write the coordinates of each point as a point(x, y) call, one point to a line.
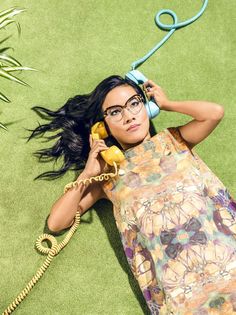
point(116, 112)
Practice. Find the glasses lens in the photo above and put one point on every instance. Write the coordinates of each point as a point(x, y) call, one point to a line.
point(134, 105)
point(115, 113)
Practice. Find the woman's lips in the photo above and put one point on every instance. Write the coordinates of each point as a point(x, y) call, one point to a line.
point(133, 127)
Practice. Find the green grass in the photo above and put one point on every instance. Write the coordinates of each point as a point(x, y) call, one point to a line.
point(75, 44)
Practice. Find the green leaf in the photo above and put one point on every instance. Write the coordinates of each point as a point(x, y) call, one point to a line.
point(10, 59)
point(5, 49)
point(7, 15)
point(2, 126)
point(18, 28)
point(17, 11)
point(11, 12)
point(5, 12)
point(10, 69)
point(4, 98)
point(6, 38)
point(11, 77)
point(5, 23)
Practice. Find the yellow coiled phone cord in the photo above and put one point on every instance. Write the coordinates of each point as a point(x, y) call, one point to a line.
point(55, 247)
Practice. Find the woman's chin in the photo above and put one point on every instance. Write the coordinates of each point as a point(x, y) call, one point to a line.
point(134, 140)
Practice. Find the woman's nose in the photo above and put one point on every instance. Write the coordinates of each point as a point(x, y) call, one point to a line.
point(127, 115)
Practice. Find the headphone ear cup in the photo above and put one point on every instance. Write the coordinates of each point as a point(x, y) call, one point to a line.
point(152, 108)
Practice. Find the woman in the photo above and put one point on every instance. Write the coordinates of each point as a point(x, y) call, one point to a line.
point(176, 219)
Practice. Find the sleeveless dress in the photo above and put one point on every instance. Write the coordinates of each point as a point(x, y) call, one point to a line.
point(177, 223)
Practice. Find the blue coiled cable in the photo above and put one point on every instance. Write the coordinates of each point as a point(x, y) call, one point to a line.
point(167, 27)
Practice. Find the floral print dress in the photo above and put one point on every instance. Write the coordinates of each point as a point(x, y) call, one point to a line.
point(177, 223)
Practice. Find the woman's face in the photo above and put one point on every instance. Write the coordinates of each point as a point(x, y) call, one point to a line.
point(127, 138)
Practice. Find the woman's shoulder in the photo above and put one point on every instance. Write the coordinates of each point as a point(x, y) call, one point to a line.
point(169, 132)
point(173, 135)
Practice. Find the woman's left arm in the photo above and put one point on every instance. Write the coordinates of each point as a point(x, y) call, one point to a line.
point(207, 115)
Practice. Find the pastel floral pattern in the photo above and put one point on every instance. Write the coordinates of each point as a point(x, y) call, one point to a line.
point(177, 223)
point(180, 237)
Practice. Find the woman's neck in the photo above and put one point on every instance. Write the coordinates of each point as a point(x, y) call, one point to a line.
point(131, 145)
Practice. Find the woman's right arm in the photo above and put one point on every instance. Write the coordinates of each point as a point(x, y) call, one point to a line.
point(79, 198)
point(82, 196)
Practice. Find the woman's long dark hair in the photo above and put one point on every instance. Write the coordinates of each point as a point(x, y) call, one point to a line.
point(73, 121)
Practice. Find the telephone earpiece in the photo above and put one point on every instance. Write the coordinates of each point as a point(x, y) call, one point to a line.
point(151, 106)
point(113, 154)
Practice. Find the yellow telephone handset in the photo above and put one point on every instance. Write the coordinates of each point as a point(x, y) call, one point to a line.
point(113, 154)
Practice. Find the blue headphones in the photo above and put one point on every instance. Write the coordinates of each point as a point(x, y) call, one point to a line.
point(151, 106)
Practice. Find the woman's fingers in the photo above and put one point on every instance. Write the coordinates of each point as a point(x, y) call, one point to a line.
point(149, 85)
point(92, 141)
point(95, 142)
point(152, 90)
point(98, 146)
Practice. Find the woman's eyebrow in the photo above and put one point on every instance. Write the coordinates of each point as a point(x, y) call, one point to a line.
point(119, 104)
point(114, 106)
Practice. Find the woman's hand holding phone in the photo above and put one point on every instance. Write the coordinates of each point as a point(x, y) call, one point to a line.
point(153, 90)
point(95, 163)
